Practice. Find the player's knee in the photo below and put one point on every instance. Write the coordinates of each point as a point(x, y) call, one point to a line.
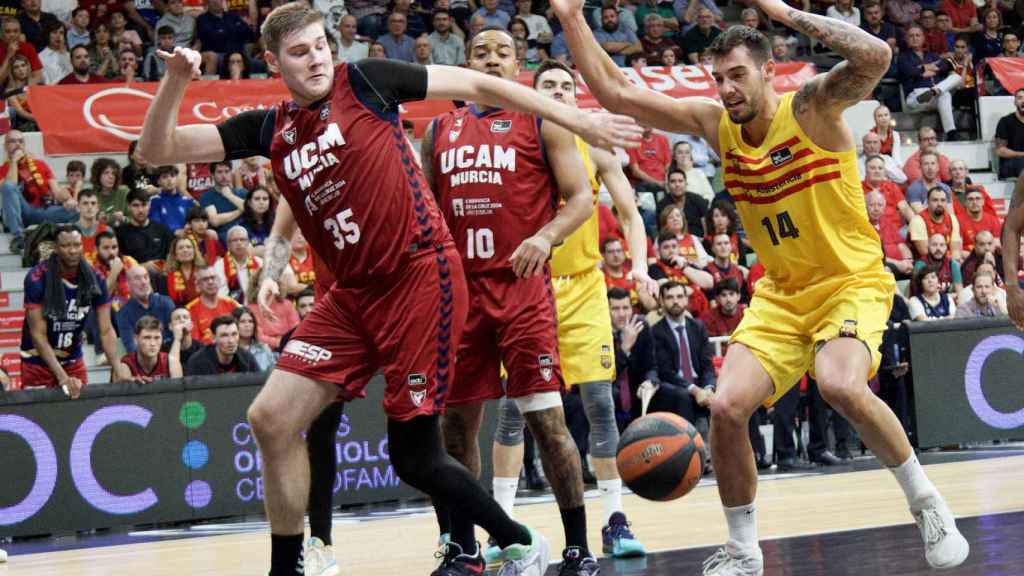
point(268, 425)
point(728, 412)
point(600, 410)
point(845, 392)
point(510, 424)
point(539, 401)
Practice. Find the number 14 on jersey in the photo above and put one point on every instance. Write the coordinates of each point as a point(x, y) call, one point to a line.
point(784, 226)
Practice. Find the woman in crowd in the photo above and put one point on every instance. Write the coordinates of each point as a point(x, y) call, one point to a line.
point(722, 219)
point(930, 303)
point(105, 176)
point(668, 57)
point(690, 247)
point(258, 217)
point(20, 77)
point(234, 67)
point(183, 261)
point(521, 31)
point(885, 127)
point(988, 42)
point(102, 53)
point(696, 180)
point(248, 338)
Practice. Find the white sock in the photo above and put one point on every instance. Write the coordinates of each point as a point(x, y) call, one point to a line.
point(916, 486)
point(611, 496)
point(742, 524)
point(505, 492)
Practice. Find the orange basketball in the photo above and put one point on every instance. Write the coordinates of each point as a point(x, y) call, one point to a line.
point(661, 456)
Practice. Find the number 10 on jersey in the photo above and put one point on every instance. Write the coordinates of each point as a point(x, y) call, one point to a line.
point(479, 243)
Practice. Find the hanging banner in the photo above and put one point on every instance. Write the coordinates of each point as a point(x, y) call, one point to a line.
point(104, 118)
point(1009, 72)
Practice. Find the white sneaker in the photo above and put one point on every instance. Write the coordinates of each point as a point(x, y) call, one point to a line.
point(735, 560)
point(944, 546)
point(521, 560)
point(319, 559)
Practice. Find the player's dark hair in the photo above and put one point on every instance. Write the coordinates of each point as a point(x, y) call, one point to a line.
point(665, 237)
point(933, 189)
point(147, 323)
point(607, 241)
point(726, 285)
point(469, 43)
point(105, 235)
point(668, 286)
point(552, 65)
point(617, 293)
point(735, 36)
point(225, 320)
point(137, 195)
point(286, 19)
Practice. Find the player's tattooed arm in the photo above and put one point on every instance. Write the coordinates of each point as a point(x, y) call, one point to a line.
point(1013, 227)
point(427, 155)
point(278, 249)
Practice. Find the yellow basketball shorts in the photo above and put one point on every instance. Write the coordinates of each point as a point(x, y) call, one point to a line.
point(784, 328)
point(584, 328)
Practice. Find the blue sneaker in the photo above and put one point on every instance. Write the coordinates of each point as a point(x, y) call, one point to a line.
point(618, 541)
point(492, 554)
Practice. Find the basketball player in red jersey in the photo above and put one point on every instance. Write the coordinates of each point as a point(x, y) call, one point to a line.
point(342, 163)
point(498, 176)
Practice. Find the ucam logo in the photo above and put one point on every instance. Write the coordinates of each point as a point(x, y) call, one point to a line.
point(307, 160)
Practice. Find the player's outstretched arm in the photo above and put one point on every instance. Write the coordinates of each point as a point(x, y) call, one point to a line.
point(602, 130)
point(275, 257)
point(698, 116)
point(1013, 227)
point(162, 140)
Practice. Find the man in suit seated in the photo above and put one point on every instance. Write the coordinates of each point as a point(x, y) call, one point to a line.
point(682, 355)
point(634, 356)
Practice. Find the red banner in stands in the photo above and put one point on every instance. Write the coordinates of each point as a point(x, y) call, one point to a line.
point(1009, 72)
point(103, 118)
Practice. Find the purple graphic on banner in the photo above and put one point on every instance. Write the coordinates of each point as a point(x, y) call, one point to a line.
point(81, 461)
point(46, 468)
point(198, 494)
point(972, 381)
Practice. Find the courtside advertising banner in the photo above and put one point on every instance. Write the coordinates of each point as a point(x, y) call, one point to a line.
point(104, 118)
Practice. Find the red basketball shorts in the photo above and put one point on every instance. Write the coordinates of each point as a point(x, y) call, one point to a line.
point(36, 376)
point(512, 322)
point(406, 325)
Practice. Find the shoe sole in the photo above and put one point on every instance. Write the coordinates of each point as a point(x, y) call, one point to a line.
point(330, 571)
point(956, 561)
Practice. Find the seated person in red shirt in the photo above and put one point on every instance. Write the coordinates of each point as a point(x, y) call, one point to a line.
point(897, 210)
point(898, 257)
point(208, 306)
point(648, 162)
point(616, 275)
point(223, 356)
point(974, 219)
point(722, 266)
point(671, 266)
point(727, 313)
point(147, 362)
point(983, 251)
point(30, 192)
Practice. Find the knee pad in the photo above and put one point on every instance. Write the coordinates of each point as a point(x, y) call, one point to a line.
point(538, 401)
point(509, 431)
point(600, 410)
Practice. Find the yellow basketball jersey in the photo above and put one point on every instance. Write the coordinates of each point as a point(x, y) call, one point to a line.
point(802, 207)
point(580, 251)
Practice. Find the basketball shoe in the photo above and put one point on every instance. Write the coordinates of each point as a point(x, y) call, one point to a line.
point(455, 562)
point(319, 558)
point(617, 539)
point(574, 563)
point(526, 560)
point(734, 560)
point(944, 546)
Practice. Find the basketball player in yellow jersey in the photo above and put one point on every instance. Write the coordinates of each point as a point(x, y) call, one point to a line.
point(789, 162)
point(585, 343)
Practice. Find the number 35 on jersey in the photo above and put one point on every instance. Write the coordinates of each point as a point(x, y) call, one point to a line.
point(343, 228)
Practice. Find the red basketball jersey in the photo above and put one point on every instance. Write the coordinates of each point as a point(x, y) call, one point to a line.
point(492, 182)
point(354, 186)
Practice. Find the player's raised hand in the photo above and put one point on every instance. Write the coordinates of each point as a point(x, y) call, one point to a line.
point(606, 130)
point(183, 61)
point(564, 8)
point(269, 291)
point(644, 283)
point(530, 256)
point(1015, 306)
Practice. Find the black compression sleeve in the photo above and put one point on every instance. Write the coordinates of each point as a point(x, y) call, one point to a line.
point(248, 134)
point(386, 83)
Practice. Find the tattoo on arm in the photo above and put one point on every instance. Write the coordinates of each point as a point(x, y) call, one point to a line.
point(277, 251)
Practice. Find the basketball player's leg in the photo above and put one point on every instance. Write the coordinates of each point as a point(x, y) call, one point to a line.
point(507, 453)
point(461, 429)
point(323, 467)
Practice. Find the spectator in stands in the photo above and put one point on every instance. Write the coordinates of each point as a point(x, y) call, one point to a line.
point(89, 224)
point(1009, 140)
point(984, 303)
point(251, 174)
point(540, 28)
point(153, 66)
point(654, 42)
point(928, 81)
point(147, 361)
point(722, 219)
point(936, 219)
point(673, 267)
point(235, 269)
point(902, 13)
point(248, 339)
point(234, 66)
point(169, 206)
point(446, 47)
point(935, 39)
point(182, 25)
point(140, 237)
point(947, 270)
point(33, 22)
point(897, 211)
point(258, 217)
point(304, 303)
point(648, 161)
point(492, 15)
point(128, 66)
point(223, 204)
point(422, 49)
point(209, 305)
point(81, 68)
point(699, 38)
point(634, 355)
point(930, 303)
point(998, 292)
point(962, 62)
point(918, 190)
point(350, 48)
point(105, 177)
point(181, 329)
point(616, 275)
point(722, 266)
point(988, 42)
point(728, 311)
point(142, 302)
point(963, 14)
point(875, 25)
point(898, 257)
point(928, 143)
point(683, 356)
point(55, 58)
point(125, 36)
point(669, 25)
point(102, 52)
point(222, 354)
point(74, 177)
point(696, 180)
point(78, 29)
point(690, 246)
point(944, 23)
point(368, 14)
point(30, 192)
point(982, 252)
point(218, 33)
point(197, 230)
point(183, 265)
point(301, 263)
point(617, 41)
point(1011, 45)
point(885, 128)
point(19, 108)
point(415, 26)
point(112, 267)
point(694, 208)
point(397, 45)
point(749, 17)
point(872, 146)
point(139, 174)
point(974, 219)
point(283, 316)
point(59, 293)
point(782, 51)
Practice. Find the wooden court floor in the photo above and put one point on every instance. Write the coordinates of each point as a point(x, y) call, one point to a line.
point(787, 507)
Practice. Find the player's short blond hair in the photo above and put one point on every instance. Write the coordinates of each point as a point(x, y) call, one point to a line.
point(286, 19)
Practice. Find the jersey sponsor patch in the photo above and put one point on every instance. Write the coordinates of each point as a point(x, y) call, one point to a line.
point(781, 156)
point(307, 352)
point(546, 363)
point(458, 207)
point(325, 111)
point(848, 329)
point(499, 126)
point(453, 134)
point(417, 388)
point(289, 135)
point(606, 356)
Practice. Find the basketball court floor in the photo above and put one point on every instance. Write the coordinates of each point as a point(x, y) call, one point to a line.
point(846, 521)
